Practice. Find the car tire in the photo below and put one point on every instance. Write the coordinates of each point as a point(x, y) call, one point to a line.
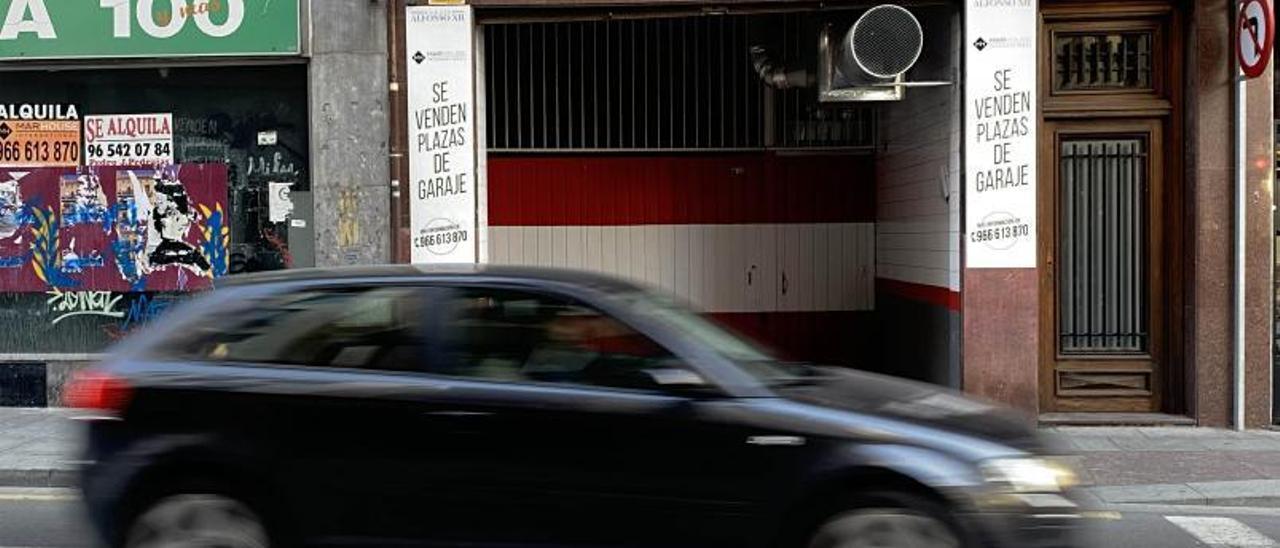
point(197, 520)
point(888, 521)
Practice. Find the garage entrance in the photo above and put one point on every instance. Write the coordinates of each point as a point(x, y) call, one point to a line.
point(695, 154)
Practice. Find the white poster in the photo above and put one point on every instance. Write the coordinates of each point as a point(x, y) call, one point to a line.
point(279, 201)
point(1000, 134)
point(128, 140)
point(442, 156)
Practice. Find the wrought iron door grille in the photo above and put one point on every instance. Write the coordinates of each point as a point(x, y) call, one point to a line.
point(1102, 61)
point(1102, 250)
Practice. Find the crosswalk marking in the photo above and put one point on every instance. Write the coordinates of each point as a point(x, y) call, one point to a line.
point(1222, 532)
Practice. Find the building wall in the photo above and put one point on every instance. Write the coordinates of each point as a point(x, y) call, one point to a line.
point(918, 230)
point(1211, 184)
point(349, 132)
point(781, 247)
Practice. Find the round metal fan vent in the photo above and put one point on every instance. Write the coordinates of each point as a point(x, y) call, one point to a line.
point(885, 42)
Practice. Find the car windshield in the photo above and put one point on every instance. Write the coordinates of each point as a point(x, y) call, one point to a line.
point(754, 359)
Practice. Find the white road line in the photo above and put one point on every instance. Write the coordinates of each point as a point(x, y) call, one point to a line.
point(1222, 532)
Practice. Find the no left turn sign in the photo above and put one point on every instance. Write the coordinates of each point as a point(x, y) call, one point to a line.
point(1256, 32)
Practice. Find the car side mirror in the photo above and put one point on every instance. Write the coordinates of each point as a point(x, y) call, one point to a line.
point(679, 380)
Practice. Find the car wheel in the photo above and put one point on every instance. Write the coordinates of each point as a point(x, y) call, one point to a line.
point(886, 526)
point(191, 520)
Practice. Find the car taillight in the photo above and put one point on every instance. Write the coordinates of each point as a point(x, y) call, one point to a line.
point(98, 390)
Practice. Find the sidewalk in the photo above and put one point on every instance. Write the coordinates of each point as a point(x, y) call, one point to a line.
point(1117, 465)
point(1175, 465)
point(37, 447)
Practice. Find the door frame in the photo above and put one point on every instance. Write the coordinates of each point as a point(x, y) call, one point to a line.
point(1156, 261)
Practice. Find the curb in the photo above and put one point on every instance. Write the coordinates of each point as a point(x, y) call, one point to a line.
point(1260, 493)
point(38, 477)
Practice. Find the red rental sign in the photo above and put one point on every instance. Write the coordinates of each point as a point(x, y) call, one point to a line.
point(1255, 30)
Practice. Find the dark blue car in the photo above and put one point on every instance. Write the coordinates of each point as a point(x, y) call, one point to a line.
point(492, 406)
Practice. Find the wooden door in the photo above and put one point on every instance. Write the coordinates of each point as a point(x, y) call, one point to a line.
point(1104, 276)
point(1110, 205)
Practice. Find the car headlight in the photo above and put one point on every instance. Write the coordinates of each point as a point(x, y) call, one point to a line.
point(1028, 475)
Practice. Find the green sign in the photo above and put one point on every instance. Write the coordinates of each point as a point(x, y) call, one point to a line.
point(66, 29)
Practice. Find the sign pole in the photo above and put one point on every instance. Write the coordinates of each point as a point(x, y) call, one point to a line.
point(1240, 217)
point(1254, 35)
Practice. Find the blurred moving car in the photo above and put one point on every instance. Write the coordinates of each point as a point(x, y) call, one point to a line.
point(494, 406)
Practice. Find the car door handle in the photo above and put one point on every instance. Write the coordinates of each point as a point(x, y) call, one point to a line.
point(457, 413)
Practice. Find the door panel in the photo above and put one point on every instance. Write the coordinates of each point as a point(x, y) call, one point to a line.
point(1104, 325)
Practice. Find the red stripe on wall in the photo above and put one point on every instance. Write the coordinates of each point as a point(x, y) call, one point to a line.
point(932, 294)
point(678, 189)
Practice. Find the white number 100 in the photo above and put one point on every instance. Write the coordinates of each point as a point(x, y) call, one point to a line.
point(179, 11)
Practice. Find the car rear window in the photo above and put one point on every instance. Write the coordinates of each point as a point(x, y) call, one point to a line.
point(357, 327)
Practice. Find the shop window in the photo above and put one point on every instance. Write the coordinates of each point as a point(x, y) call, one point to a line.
point(239, 133)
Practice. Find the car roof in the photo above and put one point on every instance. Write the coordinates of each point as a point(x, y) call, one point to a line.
point(427, 272)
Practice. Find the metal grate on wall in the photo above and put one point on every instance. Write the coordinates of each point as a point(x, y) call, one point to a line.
point(1102, 275)
point(1112, 61)
point(652, 84)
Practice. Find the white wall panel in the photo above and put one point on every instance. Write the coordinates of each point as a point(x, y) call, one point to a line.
point(827, 266)
point(917, 190)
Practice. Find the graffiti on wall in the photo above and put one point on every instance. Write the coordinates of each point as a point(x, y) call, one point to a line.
point(113, 229)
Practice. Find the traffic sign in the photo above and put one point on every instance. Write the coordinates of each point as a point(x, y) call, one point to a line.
point(1256, 31)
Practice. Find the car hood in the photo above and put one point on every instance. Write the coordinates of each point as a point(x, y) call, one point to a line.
point(916, 403)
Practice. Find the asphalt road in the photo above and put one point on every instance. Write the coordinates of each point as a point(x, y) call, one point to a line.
point(47, 518)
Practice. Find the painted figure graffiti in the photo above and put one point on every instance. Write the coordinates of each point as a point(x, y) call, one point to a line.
point(172, 216)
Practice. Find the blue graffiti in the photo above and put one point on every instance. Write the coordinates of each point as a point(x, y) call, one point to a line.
point(81, 214)
point(215, 248)
point(75, 264)
point(125, 251)
point(144, 309)
point(129, 243)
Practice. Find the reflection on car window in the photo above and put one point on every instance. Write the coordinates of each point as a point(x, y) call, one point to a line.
point(752, 358)
point(514, 336)
point(366, 328)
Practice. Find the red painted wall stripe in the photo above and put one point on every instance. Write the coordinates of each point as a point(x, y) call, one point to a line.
point(932, 294)
point(604, 190)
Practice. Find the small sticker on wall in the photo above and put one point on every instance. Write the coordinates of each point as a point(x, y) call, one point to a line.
point(298, 223)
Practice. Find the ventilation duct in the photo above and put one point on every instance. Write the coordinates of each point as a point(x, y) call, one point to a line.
point(882, 44)
point(869, 62)
point(777, 76)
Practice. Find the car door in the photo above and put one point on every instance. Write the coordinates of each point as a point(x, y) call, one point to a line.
point(567, 434)
point(327, 384)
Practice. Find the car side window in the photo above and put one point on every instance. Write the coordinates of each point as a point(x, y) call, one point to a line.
point(525, 337)
point(364, 328)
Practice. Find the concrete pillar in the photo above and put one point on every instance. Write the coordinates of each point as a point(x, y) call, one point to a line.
point(349, 130)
